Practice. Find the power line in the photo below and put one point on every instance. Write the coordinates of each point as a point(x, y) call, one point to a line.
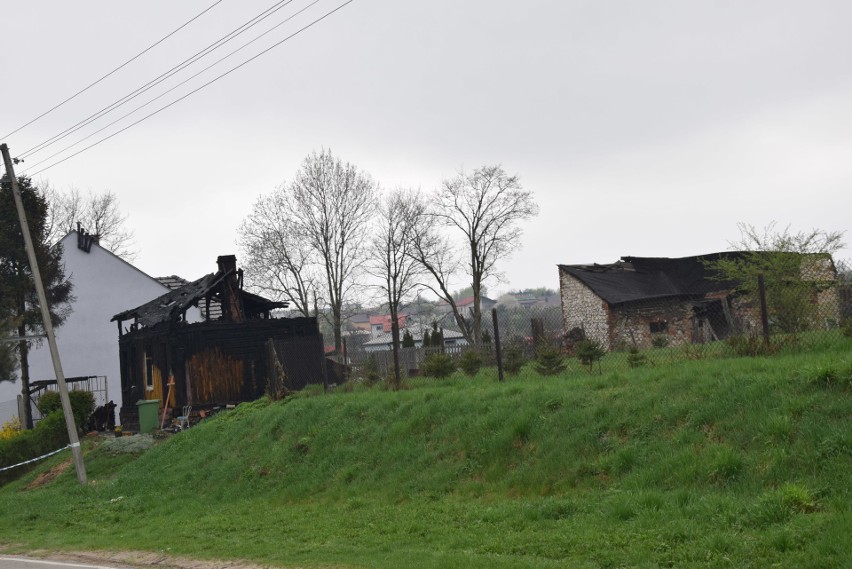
point(185, 81)
point(159, 79)
point(132, 59)
point(273, 46)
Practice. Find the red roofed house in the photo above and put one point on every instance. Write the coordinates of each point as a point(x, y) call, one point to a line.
point(382, 324)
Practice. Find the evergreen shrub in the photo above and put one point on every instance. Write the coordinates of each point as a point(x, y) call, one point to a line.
point(513, 360)
point(407, 340)
point(470, 362)
point(549, 360)
point(371, 369)
point(589, 352)
point(635, 358)
point(439, 366)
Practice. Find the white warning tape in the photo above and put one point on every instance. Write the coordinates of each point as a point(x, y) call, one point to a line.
point(34, 459)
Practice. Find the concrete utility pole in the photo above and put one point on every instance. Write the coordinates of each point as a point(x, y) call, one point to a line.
point(45, 316)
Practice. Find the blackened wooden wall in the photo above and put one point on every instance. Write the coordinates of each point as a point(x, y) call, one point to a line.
point(217, 363)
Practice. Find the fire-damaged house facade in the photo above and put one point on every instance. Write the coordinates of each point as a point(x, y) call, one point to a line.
point(637, 299)
point(223, 359)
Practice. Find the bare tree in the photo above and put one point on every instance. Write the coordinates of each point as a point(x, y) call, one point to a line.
point(485, 208)
point(333, 203)
point(99, 214)
point(391, 257)
point(439, 259)
point(771, 239)
point(279, 261)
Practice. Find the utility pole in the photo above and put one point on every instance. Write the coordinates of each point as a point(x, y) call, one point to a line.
point(45, 316)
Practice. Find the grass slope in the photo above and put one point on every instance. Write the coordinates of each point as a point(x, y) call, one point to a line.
point(724, 463)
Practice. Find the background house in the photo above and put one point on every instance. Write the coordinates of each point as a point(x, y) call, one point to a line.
point(103, 285)
point(380, 325)
point(360, 321)
point(383, 341)
point(465, 306)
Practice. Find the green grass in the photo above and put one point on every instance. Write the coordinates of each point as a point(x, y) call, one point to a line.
point(712, 463)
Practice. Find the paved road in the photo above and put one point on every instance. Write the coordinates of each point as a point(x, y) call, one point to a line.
point(23, 563)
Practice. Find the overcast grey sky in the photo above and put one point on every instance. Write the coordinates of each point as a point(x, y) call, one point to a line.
point(643, 128)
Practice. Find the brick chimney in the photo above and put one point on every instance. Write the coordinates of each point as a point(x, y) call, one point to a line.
point(227, 263)
point(231, 306)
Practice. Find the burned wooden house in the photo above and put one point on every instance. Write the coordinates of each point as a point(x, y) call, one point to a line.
point(223, 359)
point(637, 300)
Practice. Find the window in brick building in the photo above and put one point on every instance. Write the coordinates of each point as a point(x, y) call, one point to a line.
point(659, 327)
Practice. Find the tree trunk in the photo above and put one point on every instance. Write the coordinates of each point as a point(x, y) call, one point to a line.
point(477, 322)
point(395, 342)
point(23, 352)
point(337, 322)
point(476, 285)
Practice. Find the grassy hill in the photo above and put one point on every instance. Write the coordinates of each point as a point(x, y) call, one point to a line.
point(722, 463)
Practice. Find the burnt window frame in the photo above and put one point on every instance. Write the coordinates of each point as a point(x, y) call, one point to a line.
point(148, 367)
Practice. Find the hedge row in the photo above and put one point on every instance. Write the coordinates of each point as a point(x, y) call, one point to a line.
point(48, 435)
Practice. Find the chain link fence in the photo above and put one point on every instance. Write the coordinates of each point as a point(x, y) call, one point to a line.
point(548, 340)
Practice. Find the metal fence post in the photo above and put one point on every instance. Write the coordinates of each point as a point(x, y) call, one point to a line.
point(345, 363)
point(497, 347)
point(323, 364)
point(764, 313)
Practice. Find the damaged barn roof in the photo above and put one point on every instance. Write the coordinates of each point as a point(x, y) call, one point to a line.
point(172, 305)
point(647, 278)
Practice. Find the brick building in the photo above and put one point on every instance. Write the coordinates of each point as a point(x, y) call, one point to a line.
point(634, 300)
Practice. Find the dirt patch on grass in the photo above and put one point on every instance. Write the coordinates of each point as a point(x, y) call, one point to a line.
point(49, 476)
point(142, 560)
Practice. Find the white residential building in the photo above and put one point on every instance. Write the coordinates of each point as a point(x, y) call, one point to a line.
point(104, 285)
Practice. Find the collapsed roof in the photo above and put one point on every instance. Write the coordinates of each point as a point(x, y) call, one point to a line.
point(217, 287)
point(646, 278)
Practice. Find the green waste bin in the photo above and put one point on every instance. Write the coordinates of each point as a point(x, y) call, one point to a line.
point(148, 411)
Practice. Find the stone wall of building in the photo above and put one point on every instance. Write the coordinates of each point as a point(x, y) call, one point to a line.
point(639, 323)
point(828, 313)
point(583, 309)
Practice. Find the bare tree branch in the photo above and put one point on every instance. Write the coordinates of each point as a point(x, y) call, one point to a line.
point(485, 207)
point(390, 258)
point(434, 252)
point(815, 241)
point(99, 214)
point(277, 260)
point(333, 203)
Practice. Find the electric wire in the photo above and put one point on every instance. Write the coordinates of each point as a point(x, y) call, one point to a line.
point(185, 81)
point(225, 74)
point(129, 61)
point(159, 79)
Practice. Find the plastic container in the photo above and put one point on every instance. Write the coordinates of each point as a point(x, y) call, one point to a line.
point(148, 411)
